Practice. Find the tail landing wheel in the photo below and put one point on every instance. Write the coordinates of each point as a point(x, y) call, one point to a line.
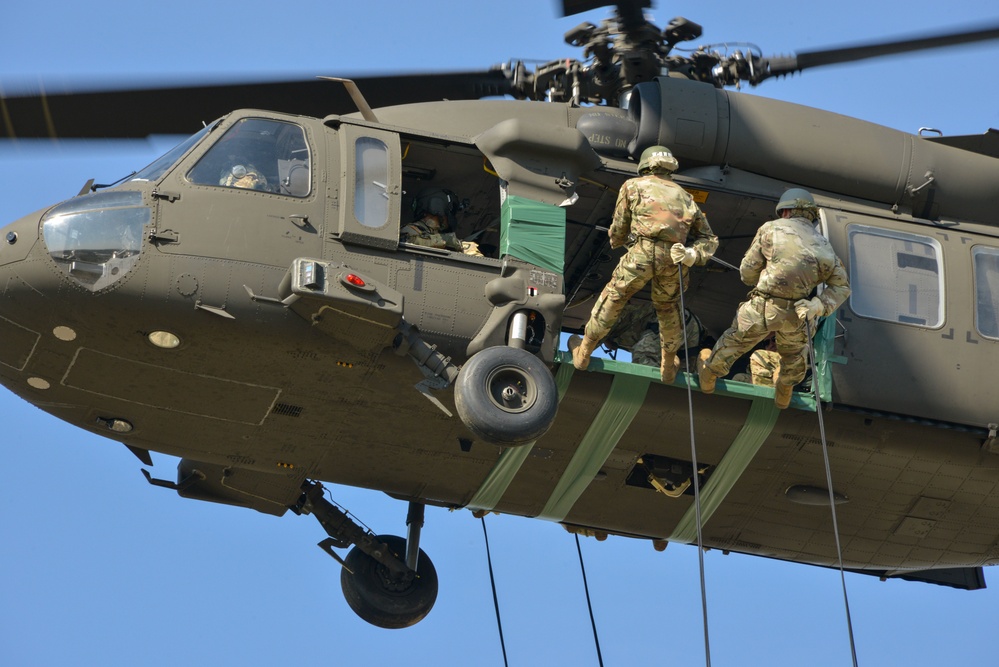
point(383, 598)
point(388, 581)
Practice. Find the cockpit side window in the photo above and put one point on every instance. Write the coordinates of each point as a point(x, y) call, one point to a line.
point(987, 291)
point(258, 154)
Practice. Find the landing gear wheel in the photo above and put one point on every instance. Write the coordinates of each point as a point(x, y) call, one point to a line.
point(381, 600)
point(506, 396)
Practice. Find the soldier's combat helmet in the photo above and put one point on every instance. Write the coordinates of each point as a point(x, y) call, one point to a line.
point(435, 201)
point(797, 199)
point(657, 158)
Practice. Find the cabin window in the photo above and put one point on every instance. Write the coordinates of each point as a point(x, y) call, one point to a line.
point(986, 291)
point(371, 177)
point(258, 154)
point(896, 276)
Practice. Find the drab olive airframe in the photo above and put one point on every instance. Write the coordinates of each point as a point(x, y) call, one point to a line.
point(245, 304)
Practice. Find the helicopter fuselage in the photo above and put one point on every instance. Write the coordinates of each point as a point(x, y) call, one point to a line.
point(171, 314)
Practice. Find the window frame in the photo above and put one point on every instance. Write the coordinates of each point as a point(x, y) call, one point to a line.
point(977, 251)
point(209, 154)
point(857, 266)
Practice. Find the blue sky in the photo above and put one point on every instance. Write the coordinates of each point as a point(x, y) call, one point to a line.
point(98, 567)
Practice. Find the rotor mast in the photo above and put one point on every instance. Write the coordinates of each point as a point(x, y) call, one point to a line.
point(628, 49)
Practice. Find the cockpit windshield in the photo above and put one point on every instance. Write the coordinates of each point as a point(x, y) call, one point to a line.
point(168, 159)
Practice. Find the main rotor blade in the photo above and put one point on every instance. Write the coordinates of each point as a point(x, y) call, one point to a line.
point(136, 113)
point(630, 13)
point(779, 65)
point(570, 7)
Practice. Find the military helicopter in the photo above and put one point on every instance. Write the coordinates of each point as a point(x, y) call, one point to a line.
point(170, 241)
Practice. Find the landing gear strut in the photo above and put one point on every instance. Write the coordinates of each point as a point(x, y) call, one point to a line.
point(388, 581)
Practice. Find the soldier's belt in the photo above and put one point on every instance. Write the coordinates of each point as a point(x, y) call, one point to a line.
point(776, 300)
point(652, 239)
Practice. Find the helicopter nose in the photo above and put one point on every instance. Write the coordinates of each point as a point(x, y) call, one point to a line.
point(16, 341)
point(17, 239)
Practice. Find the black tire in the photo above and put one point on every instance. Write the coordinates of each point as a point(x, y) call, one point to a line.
point(377, 598)
point(506, 396)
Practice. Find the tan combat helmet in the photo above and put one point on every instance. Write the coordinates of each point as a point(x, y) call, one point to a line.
point(798, 200)
point(657, 158)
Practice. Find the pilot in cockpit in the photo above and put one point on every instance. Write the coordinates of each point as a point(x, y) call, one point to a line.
point(248, 160)
point(243, 158)
point(244, 176)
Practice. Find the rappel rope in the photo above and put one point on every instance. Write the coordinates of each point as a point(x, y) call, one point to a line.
point(492, 582)
point(694, 474)
point(589, 606)
point(829, 484)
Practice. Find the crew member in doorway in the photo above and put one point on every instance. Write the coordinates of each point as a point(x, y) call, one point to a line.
point(637, 331)
point(655, 217)
point(785, 264)
point(434, 211)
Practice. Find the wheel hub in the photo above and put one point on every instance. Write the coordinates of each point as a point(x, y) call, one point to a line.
point(511, 390)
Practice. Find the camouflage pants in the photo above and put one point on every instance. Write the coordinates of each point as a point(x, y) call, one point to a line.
point(753, 322)
point(646, 260)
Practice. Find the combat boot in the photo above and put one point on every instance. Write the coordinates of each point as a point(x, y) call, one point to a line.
point(782, 393)
point(581, 349)
point(668, 371)
point(705, 376)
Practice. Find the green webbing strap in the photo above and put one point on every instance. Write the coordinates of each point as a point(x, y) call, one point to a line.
point(499, 478)
point(759, 424)
point(627, 393)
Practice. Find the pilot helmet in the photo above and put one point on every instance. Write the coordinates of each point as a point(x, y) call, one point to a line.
point(657, 158)
point(436, 201)
point(799, 200)
point(240, 176)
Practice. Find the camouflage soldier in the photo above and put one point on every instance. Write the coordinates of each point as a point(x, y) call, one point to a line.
point(788, 259)
point(637, 331)
point(635, 327)
point(659, 215)
point(433, 214)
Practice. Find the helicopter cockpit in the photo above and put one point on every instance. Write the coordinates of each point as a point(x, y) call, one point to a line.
point(258, 154)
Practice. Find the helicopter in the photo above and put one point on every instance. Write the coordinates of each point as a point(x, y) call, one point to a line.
point(203, 310)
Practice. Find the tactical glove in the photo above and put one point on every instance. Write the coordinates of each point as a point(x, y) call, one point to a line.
point(680, 254)
point(809, 309)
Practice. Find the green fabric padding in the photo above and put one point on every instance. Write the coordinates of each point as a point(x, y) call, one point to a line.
point(623, 402)
point(759, 424)
point(508, 465)
point(533, 232)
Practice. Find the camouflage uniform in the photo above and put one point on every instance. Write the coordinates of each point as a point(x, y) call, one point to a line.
point(788, 259)
point(647, 350)
point(763, 367)
point(246, 177)
point(431, 232)
point(637, 331)
point(658, 213)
